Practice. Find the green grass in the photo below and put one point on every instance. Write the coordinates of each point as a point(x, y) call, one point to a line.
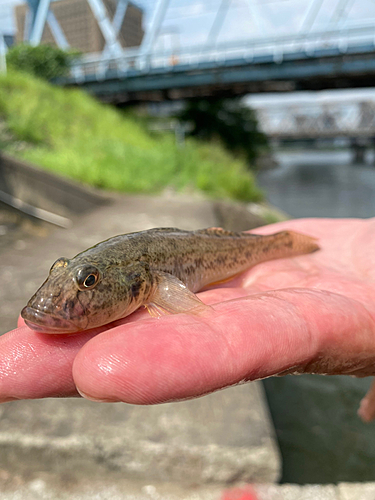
point(70, 133)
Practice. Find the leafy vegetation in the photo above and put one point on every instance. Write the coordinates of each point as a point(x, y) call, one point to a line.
point(44, 61)
point(69, 132)
point(229, 120)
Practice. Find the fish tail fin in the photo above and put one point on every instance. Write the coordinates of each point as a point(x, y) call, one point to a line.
point(299, 243)
point(291, 243)
point(284, 244)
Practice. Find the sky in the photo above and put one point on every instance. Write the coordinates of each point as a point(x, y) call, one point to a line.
point(6, 15)
point(192, 19)
point(188, 22)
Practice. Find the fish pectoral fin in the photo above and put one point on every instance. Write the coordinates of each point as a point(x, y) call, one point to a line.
point(155, 311)
point(171, 296)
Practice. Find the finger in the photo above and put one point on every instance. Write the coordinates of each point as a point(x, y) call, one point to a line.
point(183, 356)
point(319, 228)
point(367, 407)
point(35, 365)
point(20, 322)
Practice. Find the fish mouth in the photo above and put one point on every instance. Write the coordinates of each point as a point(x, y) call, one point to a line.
point(47, 323)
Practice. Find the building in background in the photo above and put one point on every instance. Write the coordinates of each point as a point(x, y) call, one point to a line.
point(80, 27)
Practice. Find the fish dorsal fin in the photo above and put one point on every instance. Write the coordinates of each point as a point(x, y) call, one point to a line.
point(166, 230)
point(171, 296)
point(217, 231)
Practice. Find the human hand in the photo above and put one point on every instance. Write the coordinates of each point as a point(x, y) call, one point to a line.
point(309, 314)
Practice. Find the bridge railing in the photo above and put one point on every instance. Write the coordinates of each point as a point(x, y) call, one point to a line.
point(276, 48)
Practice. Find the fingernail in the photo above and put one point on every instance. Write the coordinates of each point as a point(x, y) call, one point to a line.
point(92, 398)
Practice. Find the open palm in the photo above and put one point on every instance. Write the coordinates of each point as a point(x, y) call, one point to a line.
point(310, 314)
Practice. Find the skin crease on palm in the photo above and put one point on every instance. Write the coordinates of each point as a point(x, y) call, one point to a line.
point(309, 314)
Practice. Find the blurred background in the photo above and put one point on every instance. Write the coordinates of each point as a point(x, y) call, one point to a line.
point(186, 112)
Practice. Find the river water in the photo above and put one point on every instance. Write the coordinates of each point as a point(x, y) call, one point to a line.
point(321, 184)
point(320, 436)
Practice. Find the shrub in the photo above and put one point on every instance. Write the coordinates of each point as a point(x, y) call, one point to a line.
point(43, 61)
point(68, 132)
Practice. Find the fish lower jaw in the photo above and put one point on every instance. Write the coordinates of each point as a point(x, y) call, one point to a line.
point(47, 323)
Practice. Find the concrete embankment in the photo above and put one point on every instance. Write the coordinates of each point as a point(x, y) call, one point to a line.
point(42, 191)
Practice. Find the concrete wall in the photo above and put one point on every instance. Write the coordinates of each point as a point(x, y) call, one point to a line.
point(44, 190)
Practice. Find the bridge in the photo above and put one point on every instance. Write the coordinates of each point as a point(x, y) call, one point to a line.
point(328, 118)
point(319, 120)
point(324, 51)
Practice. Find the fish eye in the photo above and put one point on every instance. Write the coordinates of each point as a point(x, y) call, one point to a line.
point(61, 262)
point(87, 277)
point(89, 281)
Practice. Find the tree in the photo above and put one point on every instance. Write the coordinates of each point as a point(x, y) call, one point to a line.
point(229, 120)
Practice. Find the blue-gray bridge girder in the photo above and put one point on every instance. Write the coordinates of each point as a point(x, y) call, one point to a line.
point(291, 59)
point(329, 63)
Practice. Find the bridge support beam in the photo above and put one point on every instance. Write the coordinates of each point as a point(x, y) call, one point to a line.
point(36, 17)
point(218, 22)
point(153, 30)
point(108, 31)
point(358, 148)
point(39, 11)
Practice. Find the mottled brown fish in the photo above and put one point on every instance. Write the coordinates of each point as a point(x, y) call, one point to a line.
point(159, 268)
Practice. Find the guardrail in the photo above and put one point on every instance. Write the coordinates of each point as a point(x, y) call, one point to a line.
point(132, 61)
